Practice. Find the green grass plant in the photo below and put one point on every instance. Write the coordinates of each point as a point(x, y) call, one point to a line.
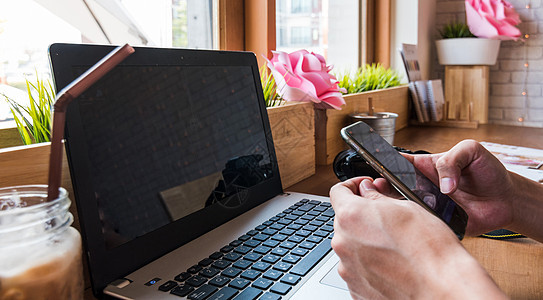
point(368, 78)
point(269, 88)
point(34, 121)
point(455, 30)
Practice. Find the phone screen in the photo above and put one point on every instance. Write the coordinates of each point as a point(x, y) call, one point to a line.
point(401, 173)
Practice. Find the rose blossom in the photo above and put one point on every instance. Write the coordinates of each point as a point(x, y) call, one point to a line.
point(495, 19)
point(304, 76)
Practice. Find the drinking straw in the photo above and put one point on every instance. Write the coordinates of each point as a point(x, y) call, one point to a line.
point(66, 95)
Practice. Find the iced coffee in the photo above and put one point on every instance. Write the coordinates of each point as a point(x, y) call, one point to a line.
point(40, 254)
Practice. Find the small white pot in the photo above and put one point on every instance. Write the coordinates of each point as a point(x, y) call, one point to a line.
point(467, 51)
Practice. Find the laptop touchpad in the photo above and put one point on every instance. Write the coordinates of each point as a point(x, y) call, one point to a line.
point(333, 279)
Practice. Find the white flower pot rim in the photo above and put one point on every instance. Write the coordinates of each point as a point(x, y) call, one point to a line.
point(468, 51)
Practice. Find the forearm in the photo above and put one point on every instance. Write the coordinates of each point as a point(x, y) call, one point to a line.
point(460, 276)
point(527, 205)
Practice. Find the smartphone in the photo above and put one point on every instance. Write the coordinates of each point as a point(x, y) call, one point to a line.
point(403, 175)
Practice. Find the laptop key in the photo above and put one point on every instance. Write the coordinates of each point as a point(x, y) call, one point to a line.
point(249, 293)
point(262, 249)
point(270, 231)
point(252, 256)
point(270, 243)
point(244, 237)
point(261, 237)
point(242, 249)
point(227, 249)
point(170, 284)
point(261, 266)
point(260, 227)
point(299, 251)
point(250, 274)
point(231, 272)
point(232, 256)
point(281, 288)
point(219, 281)
point(282, 266)
point(279, 251)
point(270, 258)
point(262, 283)
point(291, 279)
point(295, 239)
point(270, 296)
point(182, 276)
point(216, 255)
point(221, 264)
point(279, 237)
point(242, 264)
point(194, 269)
point(182, 290)
point(205, 262)
point(291, 259)
point(203, 292)
point(310, 260)
point(307, 245)
point(251, 243)
point(225, 293)
point(209, 272)
point(239, 283)
point(236, 243)
point(196, 280)
point(272, 274)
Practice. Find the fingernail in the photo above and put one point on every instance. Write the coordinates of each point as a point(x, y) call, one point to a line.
point(368, 185)
point(446, 185)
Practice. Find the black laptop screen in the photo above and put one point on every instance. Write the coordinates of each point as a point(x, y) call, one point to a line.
point(167, 141)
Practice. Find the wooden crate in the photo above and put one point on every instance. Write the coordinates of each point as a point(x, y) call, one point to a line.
point(328, 123)
point(465, 85)
point(293, 131)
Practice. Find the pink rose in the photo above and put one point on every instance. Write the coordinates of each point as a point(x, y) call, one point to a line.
point(304, 76)
point(495, 19)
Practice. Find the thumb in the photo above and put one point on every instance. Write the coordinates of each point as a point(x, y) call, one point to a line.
point(450, 165)
point(368, 189)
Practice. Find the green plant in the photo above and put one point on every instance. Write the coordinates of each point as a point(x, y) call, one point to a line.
point(455, 30)
point(269, 88)
point(368, 78)
point(34, 121)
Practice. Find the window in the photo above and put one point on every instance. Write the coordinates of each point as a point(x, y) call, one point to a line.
point(328, 27)
point(28, 27)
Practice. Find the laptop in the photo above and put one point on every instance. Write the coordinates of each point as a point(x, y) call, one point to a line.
point(177, 186)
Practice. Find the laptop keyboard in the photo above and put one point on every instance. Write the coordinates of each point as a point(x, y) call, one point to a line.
point(266, 262)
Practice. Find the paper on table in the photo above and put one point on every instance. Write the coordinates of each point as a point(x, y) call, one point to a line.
point(521, 160)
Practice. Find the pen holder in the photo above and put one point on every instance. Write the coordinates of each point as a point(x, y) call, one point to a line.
point(384, 123)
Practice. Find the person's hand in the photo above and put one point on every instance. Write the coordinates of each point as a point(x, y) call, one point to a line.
point(476, 180)
point(392, 248)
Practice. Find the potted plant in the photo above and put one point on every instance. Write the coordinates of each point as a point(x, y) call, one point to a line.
point(293, 128)
point(478, 41)
point(34, 121)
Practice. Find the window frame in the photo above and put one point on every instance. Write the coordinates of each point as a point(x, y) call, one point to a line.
point(250, 25)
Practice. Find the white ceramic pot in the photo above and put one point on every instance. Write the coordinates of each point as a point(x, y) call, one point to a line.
point(467, 51)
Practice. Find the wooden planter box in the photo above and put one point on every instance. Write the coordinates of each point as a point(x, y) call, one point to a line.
point(328, 123)
point(293, 131)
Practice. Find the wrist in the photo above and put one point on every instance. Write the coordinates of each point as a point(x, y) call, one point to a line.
point(527, 207)
point(460, 276)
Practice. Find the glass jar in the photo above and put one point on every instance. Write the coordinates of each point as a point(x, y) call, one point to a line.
point(40, 253)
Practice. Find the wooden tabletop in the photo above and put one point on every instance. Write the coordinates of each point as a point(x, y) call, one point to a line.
point(516, 265)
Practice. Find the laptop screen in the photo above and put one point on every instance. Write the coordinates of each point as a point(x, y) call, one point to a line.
point(167, 146)
point(167, 141)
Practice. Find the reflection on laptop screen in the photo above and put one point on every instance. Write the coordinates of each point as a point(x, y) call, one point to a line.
point(159, 147)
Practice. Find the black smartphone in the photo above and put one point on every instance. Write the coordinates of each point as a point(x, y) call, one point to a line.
point(403, 175)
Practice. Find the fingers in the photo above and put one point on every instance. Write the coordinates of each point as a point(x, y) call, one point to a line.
point(449, 166)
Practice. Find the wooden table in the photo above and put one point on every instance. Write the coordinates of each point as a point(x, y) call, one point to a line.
point(515, 265)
